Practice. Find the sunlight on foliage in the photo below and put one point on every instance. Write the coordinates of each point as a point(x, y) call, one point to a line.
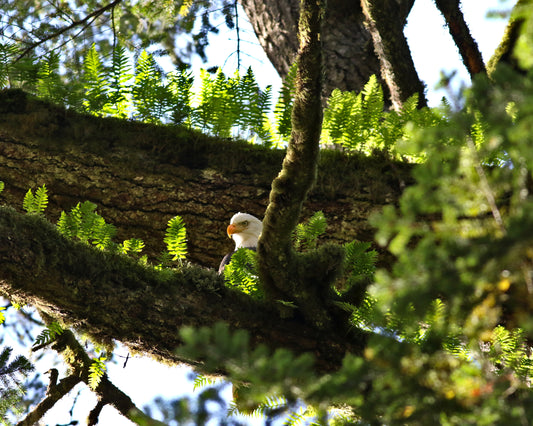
point(176, 238)
point(36, 203)
point(96, 372)
point(85, 224)
point(241, 272)
point(224, 106)
point(48, 335)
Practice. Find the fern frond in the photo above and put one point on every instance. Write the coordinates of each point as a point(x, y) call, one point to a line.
point(176, 238)
point(48, 335)
point(96, 372)
point(36, 203)
point(201, 381)
point(119, 77)
point(152, 99)
point(241, 272)
point(180, 86)
point(283, 108)
point(360, 261)
point(133, 245)
point(86, 225)
point(306, 234)
point(95, 81)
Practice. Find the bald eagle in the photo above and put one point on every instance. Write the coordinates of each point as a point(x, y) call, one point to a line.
point(245, 230)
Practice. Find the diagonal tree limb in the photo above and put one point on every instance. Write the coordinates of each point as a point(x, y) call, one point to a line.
point(385, 20)
point(110, 296)
point(53, 395)
point(460, 32)
point(79, 363)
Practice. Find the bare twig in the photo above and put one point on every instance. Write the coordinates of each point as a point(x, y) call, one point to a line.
point(89, 18)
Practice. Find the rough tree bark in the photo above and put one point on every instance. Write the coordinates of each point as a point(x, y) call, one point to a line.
point(385, 20)
point(460, 32)
point(348, 50)
point(141, 175)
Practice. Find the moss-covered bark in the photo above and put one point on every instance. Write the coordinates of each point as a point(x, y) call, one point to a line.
point(460, 33)
point(111, 296)
point(141, 175)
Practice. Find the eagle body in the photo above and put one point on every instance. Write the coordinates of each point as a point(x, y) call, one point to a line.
point(245, 230)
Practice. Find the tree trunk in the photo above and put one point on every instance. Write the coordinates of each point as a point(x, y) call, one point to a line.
point(349, 56)
point(141, 175)
point(385, 20)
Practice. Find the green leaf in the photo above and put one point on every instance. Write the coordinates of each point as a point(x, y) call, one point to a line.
point(49, 334)
point(176, 238)
point(96, 372)
point(241, 272)
point(36, 203)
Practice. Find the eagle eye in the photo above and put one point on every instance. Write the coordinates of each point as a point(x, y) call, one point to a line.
point(244, 223)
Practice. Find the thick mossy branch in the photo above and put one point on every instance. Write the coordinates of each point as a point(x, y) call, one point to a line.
point(111, 296)
point(141, 175)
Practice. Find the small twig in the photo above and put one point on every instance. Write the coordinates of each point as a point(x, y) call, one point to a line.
point(54, 374)
point(95, 413)
point(90, 17)
point(485, 187)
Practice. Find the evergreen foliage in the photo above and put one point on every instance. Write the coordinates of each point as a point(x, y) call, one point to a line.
point(241, 272)
point(306, 234)
point(11, 375)
point(449, 323)
point(85, 224)
point(220, 105)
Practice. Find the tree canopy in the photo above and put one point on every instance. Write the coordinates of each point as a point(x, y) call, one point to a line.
point(393, 279)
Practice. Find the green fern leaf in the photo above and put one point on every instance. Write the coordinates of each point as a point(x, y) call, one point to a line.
point(49, 334)
point(120, 77)
point(133, 245)
point(95, 81)
point(86, 225)
point(180, 86)
point(306, 234)
point(283, 108)
point(201, 381)
point(96, 372)
point(36, 203)
point(241, 272)
point(176, 238)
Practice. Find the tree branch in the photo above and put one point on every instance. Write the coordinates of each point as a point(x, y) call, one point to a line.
point(385, 20)
point(298, 173)
point(63, 30)
point(460, 32)
point(54, 394)
point(111, 297)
